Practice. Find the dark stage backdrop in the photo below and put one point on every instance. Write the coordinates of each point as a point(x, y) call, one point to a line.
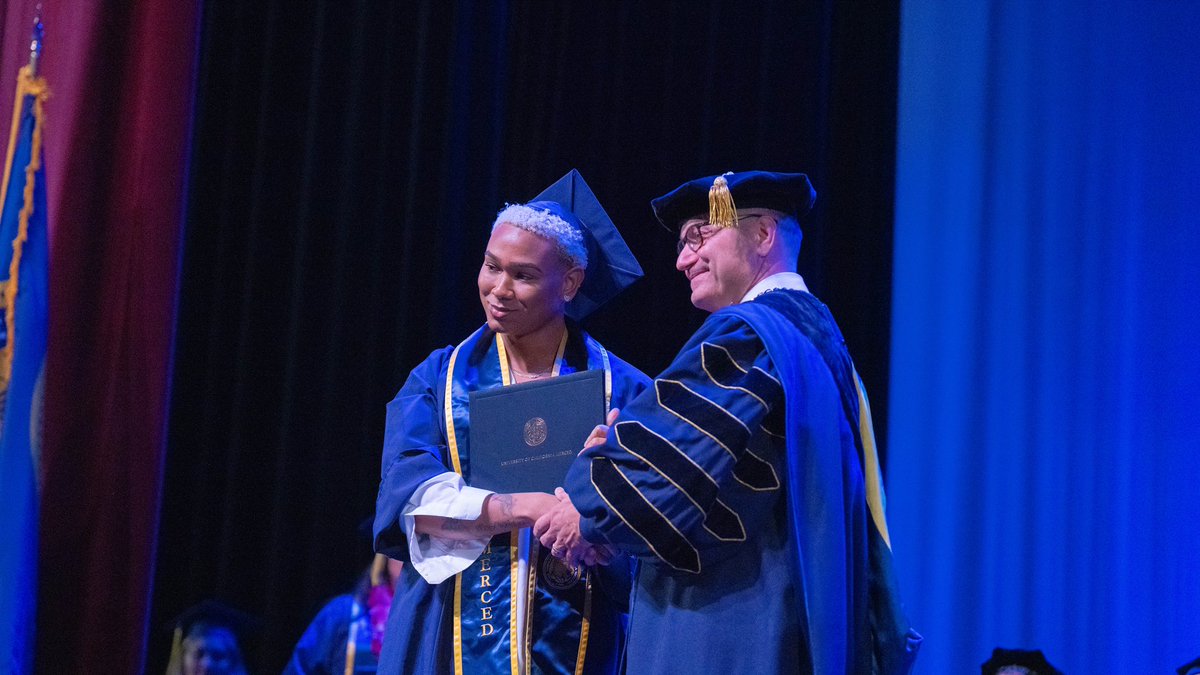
point(349, 159)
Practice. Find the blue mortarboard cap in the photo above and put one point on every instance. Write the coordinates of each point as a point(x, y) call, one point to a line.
point(611, 265)
point(214, 613)
point(789, 193)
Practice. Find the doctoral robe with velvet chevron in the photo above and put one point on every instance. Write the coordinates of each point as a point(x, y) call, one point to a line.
point(466, 624)
point(738, 482)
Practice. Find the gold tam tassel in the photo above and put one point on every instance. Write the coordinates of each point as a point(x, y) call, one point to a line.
point(721, 211)
point(175, 664)
point(379, 570)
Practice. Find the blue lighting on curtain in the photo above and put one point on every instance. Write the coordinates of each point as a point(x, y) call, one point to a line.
point(1045, 396)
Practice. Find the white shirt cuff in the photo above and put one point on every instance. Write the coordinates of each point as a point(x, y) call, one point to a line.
point(437, 559)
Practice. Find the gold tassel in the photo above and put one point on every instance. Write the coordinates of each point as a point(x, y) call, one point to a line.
point(175, 664)
point(721, 210)
point(379, 570)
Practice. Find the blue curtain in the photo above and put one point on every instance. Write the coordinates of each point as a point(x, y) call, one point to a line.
point(1045, 383)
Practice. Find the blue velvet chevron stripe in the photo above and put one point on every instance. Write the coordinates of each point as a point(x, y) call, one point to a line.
point(663, 538)
point(659, 453)
point(686, 463)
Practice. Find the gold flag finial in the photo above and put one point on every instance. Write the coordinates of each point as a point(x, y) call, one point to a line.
point(721, 210)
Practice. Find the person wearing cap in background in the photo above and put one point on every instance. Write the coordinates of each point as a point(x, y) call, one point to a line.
point(346, 636)
point(746, 481)
point(208, 640)
point(477, 594)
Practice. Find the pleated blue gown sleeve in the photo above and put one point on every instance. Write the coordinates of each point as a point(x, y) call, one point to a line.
point(414, 450)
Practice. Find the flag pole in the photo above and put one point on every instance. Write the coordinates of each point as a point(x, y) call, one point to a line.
point(35, 42)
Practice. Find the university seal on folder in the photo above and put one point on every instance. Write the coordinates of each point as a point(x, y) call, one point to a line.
point(525, 436)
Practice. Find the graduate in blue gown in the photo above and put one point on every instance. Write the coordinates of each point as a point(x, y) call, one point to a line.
point(346, 635)
point(746, 480)
point(478, 594)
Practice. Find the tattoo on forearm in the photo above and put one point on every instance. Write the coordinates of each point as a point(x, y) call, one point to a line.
point(505, 502)
point(453, 525)
point(482, 529)
point(484, 526)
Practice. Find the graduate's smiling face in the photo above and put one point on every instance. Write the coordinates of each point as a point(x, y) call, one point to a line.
point(717, 261)
point(524, 282)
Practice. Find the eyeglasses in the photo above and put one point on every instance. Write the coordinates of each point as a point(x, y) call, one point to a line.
point(695, 235)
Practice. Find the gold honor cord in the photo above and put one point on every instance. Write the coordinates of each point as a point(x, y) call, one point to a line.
point(530, 592)
point(451, 437)
point(583, 628)
point(514, 555)
point(505, 370)
point(351, 647)
point(871, 475)
point(458, 667)
point(452, 441)
point(502, 354)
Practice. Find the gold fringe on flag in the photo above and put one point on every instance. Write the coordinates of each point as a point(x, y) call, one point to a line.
point(27, 85)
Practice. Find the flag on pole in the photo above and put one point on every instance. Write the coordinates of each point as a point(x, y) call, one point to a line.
point(24, 272)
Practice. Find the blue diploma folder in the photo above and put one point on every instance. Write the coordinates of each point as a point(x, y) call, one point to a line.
point(525, 436)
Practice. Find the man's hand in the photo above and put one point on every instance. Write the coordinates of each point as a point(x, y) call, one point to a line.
point(600, 433)
point(558, 530)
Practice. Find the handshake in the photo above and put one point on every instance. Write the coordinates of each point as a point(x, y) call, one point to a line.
point(558, 530)
point(553, 517)
point(558, 527)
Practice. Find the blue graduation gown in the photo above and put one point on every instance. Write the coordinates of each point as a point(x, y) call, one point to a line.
point(424, 627)
point(323, 649)
point(738, 482)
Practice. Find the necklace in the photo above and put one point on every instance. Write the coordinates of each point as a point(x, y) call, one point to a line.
point(534, 375)
point(508, 370)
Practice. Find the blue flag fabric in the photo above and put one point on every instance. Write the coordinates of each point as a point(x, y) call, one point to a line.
point(24, 272)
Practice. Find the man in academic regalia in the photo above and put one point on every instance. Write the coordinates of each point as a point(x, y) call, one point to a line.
point(477, 593)
point(746, 480)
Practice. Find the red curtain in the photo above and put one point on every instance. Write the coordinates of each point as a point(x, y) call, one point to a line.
point(121, 75)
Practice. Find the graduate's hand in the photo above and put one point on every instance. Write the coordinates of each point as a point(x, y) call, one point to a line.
point(529, 506)
point(501, 513)
point(558, 530)
point(600, 433)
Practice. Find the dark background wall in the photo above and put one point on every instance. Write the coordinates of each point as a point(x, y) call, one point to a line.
point(348, 159)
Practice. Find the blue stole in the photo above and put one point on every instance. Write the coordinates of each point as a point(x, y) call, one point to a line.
point(558, 598)
point(886, 642)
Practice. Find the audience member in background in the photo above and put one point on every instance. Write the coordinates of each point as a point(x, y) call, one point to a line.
point(208, 640)
point(347, 634)
point(1018, 662)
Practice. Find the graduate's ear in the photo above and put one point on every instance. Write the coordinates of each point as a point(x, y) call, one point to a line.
point(572, 280)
